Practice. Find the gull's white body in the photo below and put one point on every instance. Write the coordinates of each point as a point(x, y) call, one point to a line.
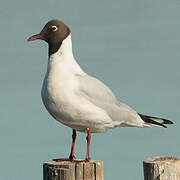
point(81, 101)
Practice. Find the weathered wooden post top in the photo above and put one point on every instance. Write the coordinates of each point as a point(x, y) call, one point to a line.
point(162, 168)
point(77, 170)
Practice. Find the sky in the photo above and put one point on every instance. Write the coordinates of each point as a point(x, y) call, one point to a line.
point(132, 46)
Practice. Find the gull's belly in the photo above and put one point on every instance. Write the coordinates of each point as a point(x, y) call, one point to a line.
point(74, 111)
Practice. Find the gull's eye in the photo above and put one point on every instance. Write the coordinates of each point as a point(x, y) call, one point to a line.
point(54, 28)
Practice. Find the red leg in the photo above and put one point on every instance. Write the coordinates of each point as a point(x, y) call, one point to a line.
point(88, 138)
point(71, 157)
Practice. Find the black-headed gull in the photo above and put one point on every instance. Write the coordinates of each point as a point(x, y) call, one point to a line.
point(78, 100)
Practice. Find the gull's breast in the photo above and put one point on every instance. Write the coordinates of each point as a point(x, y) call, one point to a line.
point(63, 103)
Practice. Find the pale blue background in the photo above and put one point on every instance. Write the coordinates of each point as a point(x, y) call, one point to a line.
point(131, 45)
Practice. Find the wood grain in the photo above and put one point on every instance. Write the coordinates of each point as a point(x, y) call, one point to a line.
point(162, 168)
point(65, 170)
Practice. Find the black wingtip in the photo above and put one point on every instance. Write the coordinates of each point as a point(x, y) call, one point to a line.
point(167, 121)
point(148, 119)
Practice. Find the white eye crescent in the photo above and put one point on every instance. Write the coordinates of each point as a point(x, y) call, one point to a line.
point(54, 28)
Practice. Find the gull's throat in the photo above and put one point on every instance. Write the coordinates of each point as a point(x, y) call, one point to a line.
point(53, 48)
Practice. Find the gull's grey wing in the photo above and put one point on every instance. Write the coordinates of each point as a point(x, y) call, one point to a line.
point(100, 95)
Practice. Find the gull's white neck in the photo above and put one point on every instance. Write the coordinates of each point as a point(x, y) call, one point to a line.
point(63, 60)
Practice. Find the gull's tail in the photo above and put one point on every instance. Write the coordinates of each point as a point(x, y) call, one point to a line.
point(155, 120)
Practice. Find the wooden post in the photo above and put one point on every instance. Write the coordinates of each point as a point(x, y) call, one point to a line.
point(67, 170)
point(162, 168)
